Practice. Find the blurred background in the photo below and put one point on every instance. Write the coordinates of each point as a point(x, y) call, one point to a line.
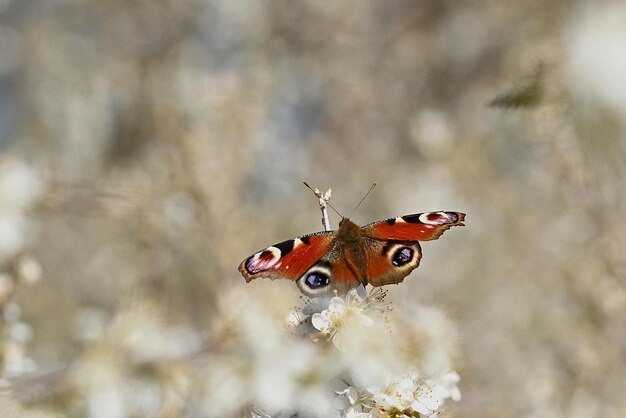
point(147, 147)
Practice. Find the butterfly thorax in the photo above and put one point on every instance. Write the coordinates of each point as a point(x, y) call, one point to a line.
point(349, 232)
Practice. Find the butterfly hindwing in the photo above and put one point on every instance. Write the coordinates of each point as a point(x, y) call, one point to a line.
point(331, 274)
point(393, 250)
point(289, 259)
point(417, 227)
point(389, 262)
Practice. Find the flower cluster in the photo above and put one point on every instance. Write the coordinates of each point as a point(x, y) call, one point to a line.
point(409, 395)
point(344, 314)
point(364, 352)
point(350, 356)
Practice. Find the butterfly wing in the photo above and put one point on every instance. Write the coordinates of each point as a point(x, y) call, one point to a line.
point(321, 264)
point(315, 262)
point(392, 247)
point(417, 227)
point(389, 262)
point(289, 259)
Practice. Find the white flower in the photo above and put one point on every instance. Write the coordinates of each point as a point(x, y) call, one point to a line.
point(410, 393)
point(343, 314)
point(428, 398)
point(397, 395)
point(448, 382)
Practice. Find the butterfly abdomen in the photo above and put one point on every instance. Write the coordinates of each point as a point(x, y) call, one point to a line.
point(350, 239)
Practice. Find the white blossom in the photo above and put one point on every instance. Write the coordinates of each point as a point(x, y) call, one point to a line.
point(272, 358)
point(344, 314)
point(448, 382)
point(411, 393)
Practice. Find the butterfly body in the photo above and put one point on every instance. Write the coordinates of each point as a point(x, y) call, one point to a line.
point(350, 244)
point(329, 262)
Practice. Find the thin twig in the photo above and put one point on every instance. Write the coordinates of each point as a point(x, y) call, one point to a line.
point(323, 202)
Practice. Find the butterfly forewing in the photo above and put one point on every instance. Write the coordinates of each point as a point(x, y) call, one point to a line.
point(417, 227)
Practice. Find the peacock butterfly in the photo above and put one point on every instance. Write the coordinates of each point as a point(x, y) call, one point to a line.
point(328, 262)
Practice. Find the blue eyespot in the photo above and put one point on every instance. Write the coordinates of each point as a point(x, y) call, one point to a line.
point(402, 256)
point(317, 279)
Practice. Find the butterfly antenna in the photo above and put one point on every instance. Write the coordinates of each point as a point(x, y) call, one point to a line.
point(366, 194)
point(320, 196)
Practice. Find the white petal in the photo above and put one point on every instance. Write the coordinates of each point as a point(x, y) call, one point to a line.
point(354, 413)
point(338, 341)
point(439, 392)
point(430, 402)
point(451, 377)
point(337, 306)
point(321, 322)
point(350, 393)
point(455, 394)
point(421, 408)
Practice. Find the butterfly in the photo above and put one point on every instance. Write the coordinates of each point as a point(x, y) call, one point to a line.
point(333, 262)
